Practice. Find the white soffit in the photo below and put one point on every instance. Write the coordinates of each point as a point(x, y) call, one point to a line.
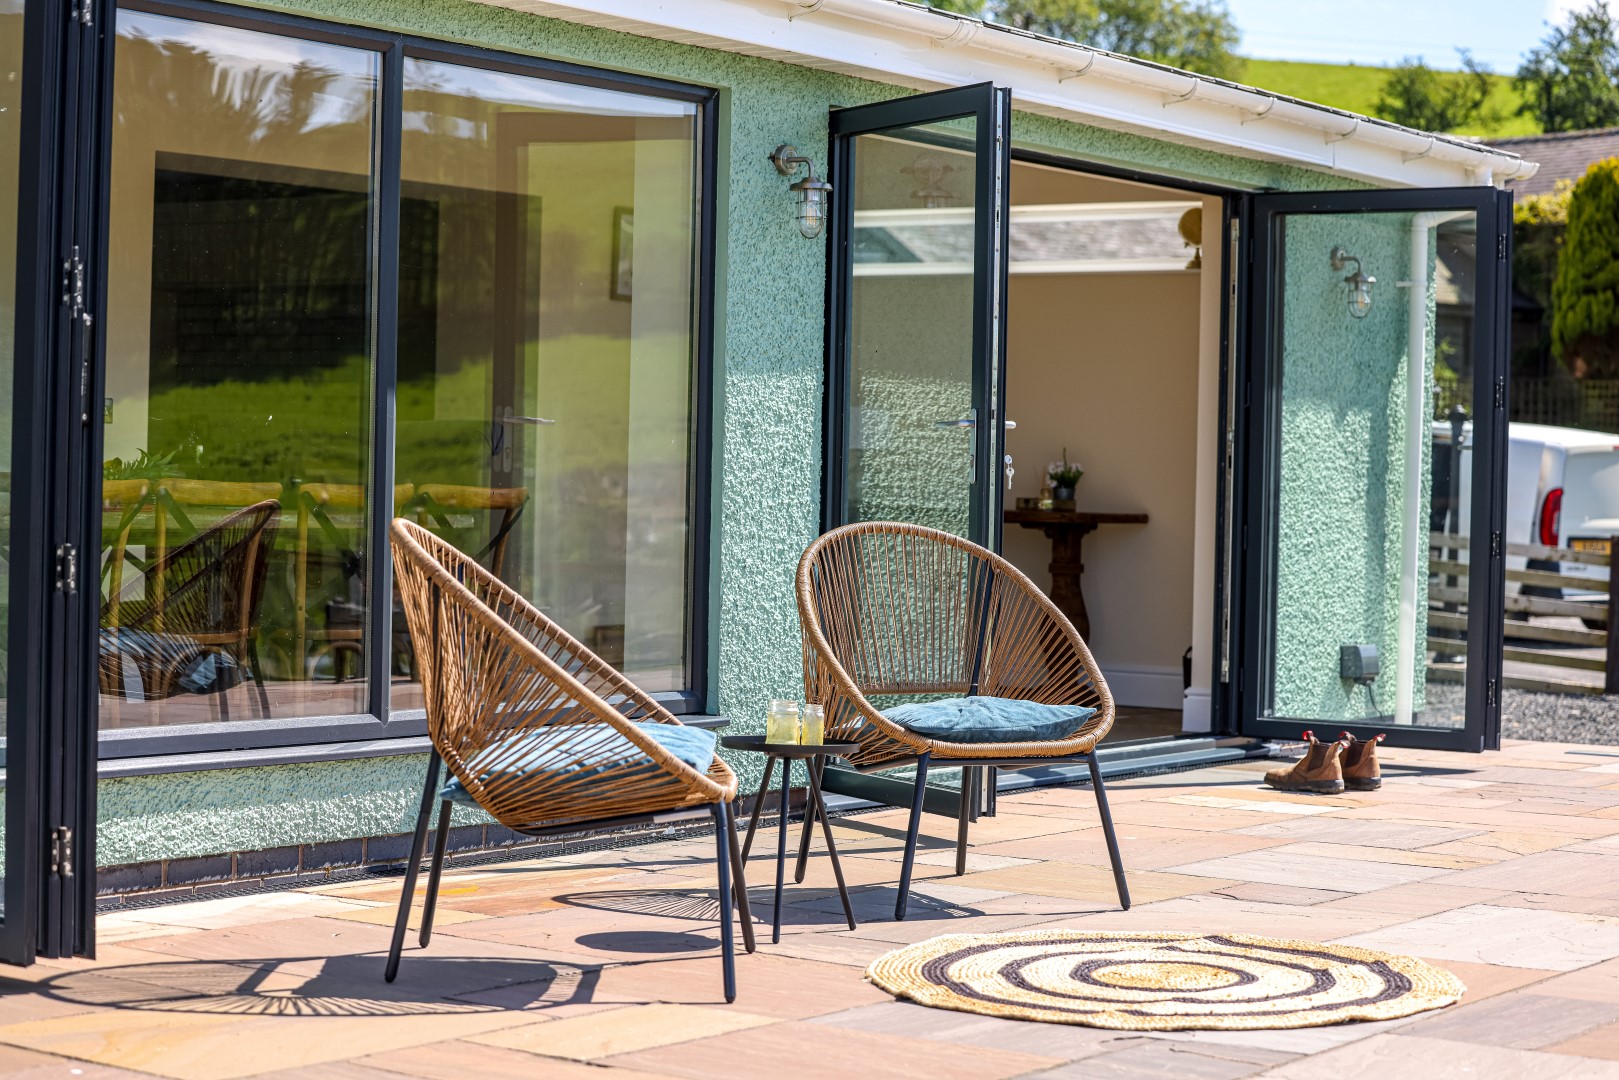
point(906, 44)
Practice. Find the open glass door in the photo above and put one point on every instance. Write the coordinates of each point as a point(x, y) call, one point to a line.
point(1377, 423)
point(50, 60)
point(917, 334)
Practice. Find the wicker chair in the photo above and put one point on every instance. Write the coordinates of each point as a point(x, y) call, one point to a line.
point(504, 684)
point(894, 609)
point(201, 597)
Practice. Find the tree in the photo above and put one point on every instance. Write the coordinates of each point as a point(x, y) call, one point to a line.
point(1197, 35)
point(1585, 295)
point(1418, 96)
point(1570, 81)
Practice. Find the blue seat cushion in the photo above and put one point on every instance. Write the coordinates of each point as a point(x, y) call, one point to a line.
point(545, 751)
point(990, 720)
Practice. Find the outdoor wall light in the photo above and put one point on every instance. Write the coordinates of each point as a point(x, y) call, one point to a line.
point(1360, 283)
point(929, 170)
point(811, 191)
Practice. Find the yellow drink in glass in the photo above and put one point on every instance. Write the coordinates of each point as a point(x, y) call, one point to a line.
point(781, 723)
point(813, 726)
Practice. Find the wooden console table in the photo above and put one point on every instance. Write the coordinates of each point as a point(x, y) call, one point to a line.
point(1067, 529)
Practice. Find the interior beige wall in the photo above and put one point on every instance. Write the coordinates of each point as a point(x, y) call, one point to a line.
point(1108, 366)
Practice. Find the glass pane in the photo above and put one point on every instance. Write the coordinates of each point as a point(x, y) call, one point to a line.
point(239, 360)
point(1371, 547)
point(912, 422)
point(547, 261)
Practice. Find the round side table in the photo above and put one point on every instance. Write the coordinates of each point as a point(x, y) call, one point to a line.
point(814, 756)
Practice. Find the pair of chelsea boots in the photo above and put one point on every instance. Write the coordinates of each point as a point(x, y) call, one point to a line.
point(1329, 768)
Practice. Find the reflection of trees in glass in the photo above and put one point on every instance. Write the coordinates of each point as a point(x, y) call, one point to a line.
point(247, 100)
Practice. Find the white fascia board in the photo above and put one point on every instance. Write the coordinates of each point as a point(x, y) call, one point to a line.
point(907, 45)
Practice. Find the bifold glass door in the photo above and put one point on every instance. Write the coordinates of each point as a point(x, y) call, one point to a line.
point(918, 341)
point(51, 56)
point(1377, 461)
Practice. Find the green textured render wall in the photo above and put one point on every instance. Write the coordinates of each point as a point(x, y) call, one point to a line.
point(1343, 457)
point(768, 379)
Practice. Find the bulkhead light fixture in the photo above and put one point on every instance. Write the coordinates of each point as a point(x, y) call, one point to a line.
point(1360, 283)
point(812, 191)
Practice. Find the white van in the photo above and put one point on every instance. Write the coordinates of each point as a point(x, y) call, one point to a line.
point(1562, 491)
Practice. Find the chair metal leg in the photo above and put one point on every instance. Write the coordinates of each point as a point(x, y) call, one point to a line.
point(910, 836)
point(965, 815)
point(258, 676)
point(441, 840)
point(758, 805)
point(417, 844)
point(722, 858)
point(1107, 831)
point(809, 823)
point(992, 787)
point(740, 883)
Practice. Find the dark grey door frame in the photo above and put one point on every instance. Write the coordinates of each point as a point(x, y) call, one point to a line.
point(1258, 436)
point(991, 108)
point(50, 736)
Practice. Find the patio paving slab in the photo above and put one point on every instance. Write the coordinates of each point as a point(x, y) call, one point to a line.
point(1515, 937)
point(780, 1049)
point(461, 1060)
point(1065, 1042)
point(1400, 1055)
point(1523, 1020)
point(1503, 868)
point(1383, 834)
point(1288, 866)
point(1154, 1059)
point(621, 1031)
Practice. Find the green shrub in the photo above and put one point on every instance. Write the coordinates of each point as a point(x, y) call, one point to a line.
point(1585, 296)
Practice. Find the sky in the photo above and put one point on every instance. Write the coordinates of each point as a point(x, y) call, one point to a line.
point(1384, 32)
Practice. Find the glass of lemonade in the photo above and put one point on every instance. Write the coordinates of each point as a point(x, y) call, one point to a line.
point(813, 727)
point(781, 724)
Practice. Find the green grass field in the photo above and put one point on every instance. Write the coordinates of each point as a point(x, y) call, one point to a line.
point(1356, 88)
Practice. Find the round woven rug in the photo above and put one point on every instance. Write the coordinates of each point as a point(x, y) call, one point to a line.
point(1162, 982)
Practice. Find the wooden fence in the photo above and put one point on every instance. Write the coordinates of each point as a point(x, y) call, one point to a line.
point(1447, 611)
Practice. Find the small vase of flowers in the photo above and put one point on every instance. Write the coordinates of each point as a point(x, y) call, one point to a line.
point(1064, 476)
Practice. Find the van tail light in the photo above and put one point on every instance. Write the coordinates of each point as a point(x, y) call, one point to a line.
point(1551, 517)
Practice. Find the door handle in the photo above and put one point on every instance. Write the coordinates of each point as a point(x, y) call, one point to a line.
point(1010, 425)
point(535, 421)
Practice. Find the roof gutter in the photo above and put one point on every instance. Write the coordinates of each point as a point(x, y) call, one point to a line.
point(1072, 60)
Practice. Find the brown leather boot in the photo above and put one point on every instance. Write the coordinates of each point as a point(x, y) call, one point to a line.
point(1360, 762)
point(1318, 772)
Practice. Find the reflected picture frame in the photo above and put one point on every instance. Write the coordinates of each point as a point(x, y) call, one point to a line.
point(621, 285)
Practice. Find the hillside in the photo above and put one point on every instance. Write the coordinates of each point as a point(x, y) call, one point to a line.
point(1356, 88)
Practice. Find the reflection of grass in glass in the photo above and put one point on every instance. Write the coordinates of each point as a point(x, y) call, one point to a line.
point(316, 429)
point(304, 430)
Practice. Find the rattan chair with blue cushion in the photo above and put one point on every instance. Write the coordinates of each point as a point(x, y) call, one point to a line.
point(909, 613)
point(541, 733)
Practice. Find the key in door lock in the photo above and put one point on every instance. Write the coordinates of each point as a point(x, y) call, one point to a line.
point(1010, 472)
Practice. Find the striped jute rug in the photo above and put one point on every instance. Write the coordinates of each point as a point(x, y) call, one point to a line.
point(1135, 981)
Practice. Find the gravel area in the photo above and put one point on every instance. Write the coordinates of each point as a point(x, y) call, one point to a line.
point(1528, 714)
point(1575, 718)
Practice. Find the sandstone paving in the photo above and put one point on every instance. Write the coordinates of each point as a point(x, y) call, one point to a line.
point(604, 964)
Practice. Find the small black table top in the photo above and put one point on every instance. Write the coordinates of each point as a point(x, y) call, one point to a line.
point(786, 750)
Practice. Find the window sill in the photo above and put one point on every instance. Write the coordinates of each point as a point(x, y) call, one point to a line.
point(258, 757)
